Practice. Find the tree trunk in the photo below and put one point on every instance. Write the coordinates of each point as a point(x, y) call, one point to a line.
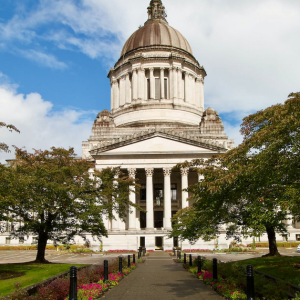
point(41, 247)
point(273, 251)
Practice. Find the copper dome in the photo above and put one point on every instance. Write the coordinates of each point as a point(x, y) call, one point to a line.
point(156, 32)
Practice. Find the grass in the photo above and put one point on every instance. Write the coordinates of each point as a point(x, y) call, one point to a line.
point(31, 274)
point(280, 267)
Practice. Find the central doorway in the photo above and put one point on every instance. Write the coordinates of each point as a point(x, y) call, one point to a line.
point(158, 219)
point(159, 243)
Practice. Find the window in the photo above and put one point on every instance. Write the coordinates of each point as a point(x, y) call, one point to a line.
point(297, 237)
point(7, 240)
point(157, 88)
point(142, 241)
point(143, 193)
point(174, 192)
point(142, 219)
point(148, 88)
point(158, 194)
point(285, 237)
point(21, 240)
point(166, 88)
point(34, 240)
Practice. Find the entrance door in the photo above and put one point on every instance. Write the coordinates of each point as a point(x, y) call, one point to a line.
point(143, 219)
point(159, 243)
point(158, 219)
point(142, 241)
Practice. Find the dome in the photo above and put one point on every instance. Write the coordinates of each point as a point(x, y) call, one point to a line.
point(210, 111)
point(156, 32)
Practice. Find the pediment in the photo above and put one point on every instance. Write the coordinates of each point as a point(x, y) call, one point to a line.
point(158, 143)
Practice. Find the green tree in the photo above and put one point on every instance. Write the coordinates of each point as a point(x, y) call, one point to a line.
point(53, 195)
point(253, 188)
point(4, 147)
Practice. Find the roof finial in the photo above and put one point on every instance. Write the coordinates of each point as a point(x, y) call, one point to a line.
point(156, 10)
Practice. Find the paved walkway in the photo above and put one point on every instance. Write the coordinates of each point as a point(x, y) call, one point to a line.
point(159, 278)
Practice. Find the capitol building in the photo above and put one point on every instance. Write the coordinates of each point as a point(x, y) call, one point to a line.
point(157, 120)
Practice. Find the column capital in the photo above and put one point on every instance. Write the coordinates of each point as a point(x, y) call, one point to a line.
point(114, 81)
point(162, 68)
point(141, 69)
point(167, 171)
point(132, 172)
point(199, 79)
point(184, 171)
point(134, 70)
point(149, 172)
point(151, 69)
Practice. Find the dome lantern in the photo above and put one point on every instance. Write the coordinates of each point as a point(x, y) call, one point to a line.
point(156, 11)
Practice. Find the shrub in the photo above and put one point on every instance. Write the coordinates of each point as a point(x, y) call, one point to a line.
point(56, 290)
point(266, 245)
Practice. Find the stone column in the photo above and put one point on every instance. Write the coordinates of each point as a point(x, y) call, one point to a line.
point(162, 83)
point(184, 185)
point(202, 93)
point(152, 84)
point(134, 84)
point(132, 216)
point(289, 221)
point(175, 83)
point(146, 87)
point(167, 199)
point(198, 92)
point(149, 199)
point(115, 222)
point(112, 96)
point(200, 177)
point(141, 77)
point(186, 87)
point(171, 84)
point(122, 91)
point(192, 89)
point(117, 94)
point(179, 83)
point(127, 83)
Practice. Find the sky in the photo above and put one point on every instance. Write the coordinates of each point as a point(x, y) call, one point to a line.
point(55, 56)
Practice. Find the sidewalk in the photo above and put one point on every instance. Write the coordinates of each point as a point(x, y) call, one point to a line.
point(159, 278)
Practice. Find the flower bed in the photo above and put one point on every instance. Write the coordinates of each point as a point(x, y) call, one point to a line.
point(196, 250)
point(89, 280)
point(121, 251)
point(231, 282)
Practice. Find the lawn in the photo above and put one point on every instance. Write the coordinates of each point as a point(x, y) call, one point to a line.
point(280, 267)
point(30, 274)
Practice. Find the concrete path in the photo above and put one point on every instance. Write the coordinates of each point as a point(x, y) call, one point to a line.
point(159, 278)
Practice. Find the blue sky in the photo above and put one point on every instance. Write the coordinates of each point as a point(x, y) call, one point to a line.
point(55, 56)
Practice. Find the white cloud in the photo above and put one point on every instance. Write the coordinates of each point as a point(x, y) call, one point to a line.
point(40, 125)
point(44, 59)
